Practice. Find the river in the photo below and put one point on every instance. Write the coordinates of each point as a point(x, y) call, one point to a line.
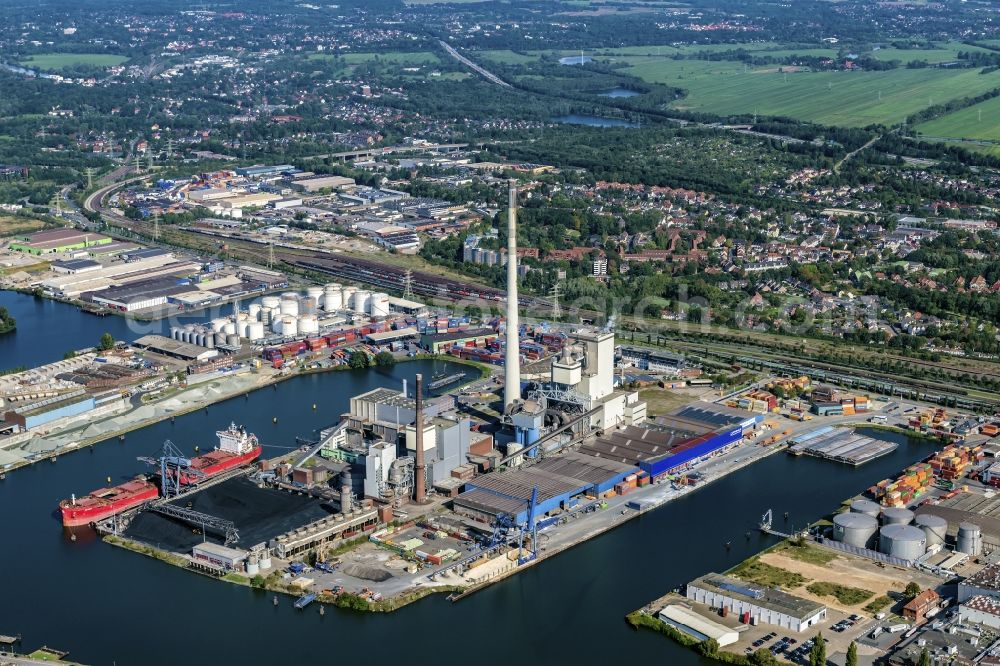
point(109, 606)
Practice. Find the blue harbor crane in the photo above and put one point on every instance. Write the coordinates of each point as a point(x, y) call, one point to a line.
point(507, 521)
point(174, 466)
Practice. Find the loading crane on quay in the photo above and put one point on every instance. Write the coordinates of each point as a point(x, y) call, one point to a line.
point(174, 468)
point(507, 521)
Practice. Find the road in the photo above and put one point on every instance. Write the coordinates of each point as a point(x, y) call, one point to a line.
point(486, 74)
point(850, 155)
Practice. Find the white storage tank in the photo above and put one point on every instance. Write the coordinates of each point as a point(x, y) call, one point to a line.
point(866, 506)
point(233, 340)
point(220, 338)
point(314, 292)
point(256, 330)
point(254, 311)
point(289, 307)
point(308, 324)
point(361, 301)
point(229, 329)
point(348, 295)
point(333, 300)
point(289, 325)
point(271, 302)
point(970, 539)
point(265, 560)
point(219, 323)
point(903, 541)
point(935, 528)
point(379, 306)
point(244, 329)
point(265, 316)
point(210, 340)
point(308, 305)
point(896, 516)
point(854, 529)
point(175, 332)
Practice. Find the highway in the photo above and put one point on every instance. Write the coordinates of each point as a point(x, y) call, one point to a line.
point(486, 74)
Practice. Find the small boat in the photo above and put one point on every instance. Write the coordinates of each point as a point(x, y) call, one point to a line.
point(322, 610)
point(276, 600)
point(305, 600)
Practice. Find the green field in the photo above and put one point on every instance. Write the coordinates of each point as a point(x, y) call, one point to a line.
point(65, 60)
point(392, 57)
point(979, 122)
point(508, 57)
point(835, 98)
point(945, 52)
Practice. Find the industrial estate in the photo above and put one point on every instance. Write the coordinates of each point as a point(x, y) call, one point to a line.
point(600, 330)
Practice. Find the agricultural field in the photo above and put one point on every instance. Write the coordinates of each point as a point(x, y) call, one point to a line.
point(944, 52)
point(13, 224)
point(979, 122)
point(66, 60)
point(850, 99)
point(506, 57)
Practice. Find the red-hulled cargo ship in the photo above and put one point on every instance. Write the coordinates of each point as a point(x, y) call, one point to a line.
point(237, 447)
point(107, 502)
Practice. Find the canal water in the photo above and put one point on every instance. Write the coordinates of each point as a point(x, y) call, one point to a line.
point(109, 606)
point(47, 329)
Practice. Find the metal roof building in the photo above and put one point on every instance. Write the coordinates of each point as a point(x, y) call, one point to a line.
point(768, 605)
point(558, 478)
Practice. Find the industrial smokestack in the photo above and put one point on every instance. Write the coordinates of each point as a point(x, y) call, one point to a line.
point(512, 361)
point(419, 469)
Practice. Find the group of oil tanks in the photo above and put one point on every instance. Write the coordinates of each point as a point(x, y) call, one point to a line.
point(290, 315)
point(902, 534)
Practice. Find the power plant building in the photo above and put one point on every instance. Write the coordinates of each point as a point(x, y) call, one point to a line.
point(766, 605)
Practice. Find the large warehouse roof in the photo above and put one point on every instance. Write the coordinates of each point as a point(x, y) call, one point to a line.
point(562, 475)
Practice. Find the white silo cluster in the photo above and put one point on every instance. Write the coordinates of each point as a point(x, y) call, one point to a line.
point(902, 534)
point(290, 315)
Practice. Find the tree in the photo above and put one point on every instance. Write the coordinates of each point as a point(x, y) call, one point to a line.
point(762, 657)
point(358, 360)
point(708, 647)
point(912, 589)
point(106, 343)
point(817, 656)
point(925, 658)
point(852, 655)
point(385, 359)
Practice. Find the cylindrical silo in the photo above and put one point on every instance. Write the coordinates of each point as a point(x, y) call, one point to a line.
point(254, 311)
point(314, 292)
point(854, 529)
point(229, 329)
point(866, 506)
point(361, 300)
point(935, 528)
point(255, 330)
point(210, 340)
point(220, 338)
point(379, 306)
point(289, 307)
point(308, 324)
point(333, 300)
point(289, 325)
point(175, 332)
point(199, 339)
point(271, 302)
point(308, 305)
point(348, 295)
point(233, 340)
point(970, 539)
point(265, 316)
point(189, 333)
point(219, 323)
point(896, 516)
point(903, 541)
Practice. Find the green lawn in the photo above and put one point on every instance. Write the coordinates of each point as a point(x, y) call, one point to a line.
point(980, 121)
point(64, 60)
point(835, 98)
point(849, 596)
point(507, 57)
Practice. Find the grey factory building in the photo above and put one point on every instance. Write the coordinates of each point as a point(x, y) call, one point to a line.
point(767, 605)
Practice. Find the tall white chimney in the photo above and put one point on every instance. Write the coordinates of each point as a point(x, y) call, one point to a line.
point(512, 361)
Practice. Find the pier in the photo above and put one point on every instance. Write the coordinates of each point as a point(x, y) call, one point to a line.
point(846, 446)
